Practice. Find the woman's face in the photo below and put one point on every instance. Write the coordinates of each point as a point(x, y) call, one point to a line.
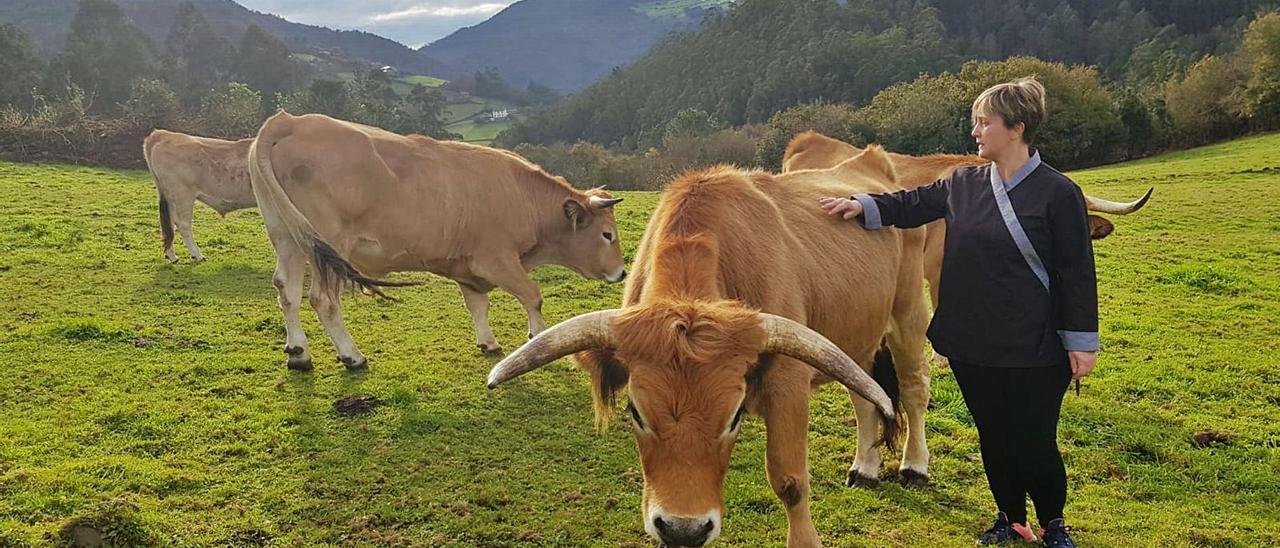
point(992, 136)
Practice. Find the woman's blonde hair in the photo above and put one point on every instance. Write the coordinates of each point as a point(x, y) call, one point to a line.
point(1021, 100)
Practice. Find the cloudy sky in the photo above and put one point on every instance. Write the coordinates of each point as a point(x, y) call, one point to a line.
point(410, 22)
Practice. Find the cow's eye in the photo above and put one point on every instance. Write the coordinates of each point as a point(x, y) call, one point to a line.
point(635, 416)
point(608, 236)
point(737, 418)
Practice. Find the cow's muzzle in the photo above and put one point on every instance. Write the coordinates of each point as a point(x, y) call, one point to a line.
point(673, 531)
point(683, 531)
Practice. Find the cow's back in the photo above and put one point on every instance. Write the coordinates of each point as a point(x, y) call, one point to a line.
point(391, 202)
point(782, 254)
point(215, 171)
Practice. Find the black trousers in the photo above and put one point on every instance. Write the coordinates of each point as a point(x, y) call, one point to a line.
point(1016, 411)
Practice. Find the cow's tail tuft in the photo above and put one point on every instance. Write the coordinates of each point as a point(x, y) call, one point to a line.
point(885, 373)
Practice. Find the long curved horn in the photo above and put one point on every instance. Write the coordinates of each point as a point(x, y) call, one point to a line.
point(794, 339)
point(1104, 206)
point(598, 202)
point(591, 330)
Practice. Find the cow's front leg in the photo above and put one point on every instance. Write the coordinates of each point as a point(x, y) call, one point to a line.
point(476, 298)
point(512, 277)
point(786, 417)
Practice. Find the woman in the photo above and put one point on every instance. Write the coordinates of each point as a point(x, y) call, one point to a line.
point(1017, 306)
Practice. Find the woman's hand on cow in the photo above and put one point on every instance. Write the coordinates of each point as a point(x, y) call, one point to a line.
point(1082, 363)
point(844, 207)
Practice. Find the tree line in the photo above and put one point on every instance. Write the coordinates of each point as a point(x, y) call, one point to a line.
point(1124, 79)
point(197, 81)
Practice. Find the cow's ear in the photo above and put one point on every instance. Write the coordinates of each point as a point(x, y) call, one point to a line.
point(877, 162)
point(576, 212)
point(1099, 227)
point(608, 379)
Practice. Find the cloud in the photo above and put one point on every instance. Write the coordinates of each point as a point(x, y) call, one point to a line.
point(411, 22)
point(437, 11)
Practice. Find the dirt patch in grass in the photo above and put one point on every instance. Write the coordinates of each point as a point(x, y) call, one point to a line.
point(1210, 437)
point(356, 406)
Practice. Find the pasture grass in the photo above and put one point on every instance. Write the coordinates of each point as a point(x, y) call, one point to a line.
point(147, 403)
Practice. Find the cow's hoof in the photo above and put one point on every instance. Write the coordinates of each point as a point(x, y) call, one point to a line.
point(199, 259)
point(352, 364)
point(491, 351)
point(299, 363)
point(858, 479)
point(913, 479)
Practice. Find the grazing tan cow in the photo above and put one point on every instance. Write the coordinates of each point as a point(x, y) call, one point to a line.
point(189, 168)
point(360, 202)
point(744, 296)
point(812, 150)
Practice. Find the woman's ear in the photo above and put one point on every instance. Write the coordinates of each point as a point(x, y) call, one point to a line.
point(1018, 129)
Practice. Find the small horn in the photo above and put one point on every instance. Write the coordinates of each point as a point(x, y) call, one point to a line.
point(601, 203)
point(587, 331)
point(794, 339)
point(1104, 206)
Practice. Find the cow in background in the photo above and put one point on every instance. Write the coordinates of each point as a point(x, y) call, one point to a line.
point(189, 168)
point(359, 202)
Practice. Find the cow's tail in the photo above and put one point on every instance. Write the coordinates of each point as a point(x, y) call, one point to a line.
point(280, 214)
point(886, 375)
point(166, 220)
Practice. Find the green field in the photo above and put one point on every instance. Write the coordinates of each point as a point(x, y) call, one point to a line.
point(148, 402)
point(482, 133)
point(458, 118)
point(457, 112)
point(404, 84)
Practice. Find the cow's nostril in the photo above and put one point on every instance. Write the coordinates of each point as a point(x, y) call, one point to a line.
point(660, 525)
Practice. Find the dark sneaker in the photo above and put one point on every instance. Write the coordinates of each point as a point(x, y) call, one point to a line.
point(1057, 535)
point(1004, 531)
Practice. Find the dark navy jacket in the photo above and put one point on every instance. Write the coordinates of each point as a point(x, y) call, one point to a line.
point(1018, 287)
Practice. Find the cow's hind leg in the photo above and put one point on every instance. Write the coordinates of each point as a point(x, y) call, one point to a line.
point(906, 342)
point(183, 211)
point(476, 296)
point(326, 298)
point(291, 266)
point(935, 236)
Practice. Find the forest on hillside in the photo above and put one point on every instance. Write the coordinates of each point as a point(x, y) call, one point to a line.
point(766, 56)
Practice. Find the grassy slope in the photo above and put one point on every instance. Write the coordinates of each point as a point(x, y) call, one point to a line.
point(160, 387)
point(458, 119)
